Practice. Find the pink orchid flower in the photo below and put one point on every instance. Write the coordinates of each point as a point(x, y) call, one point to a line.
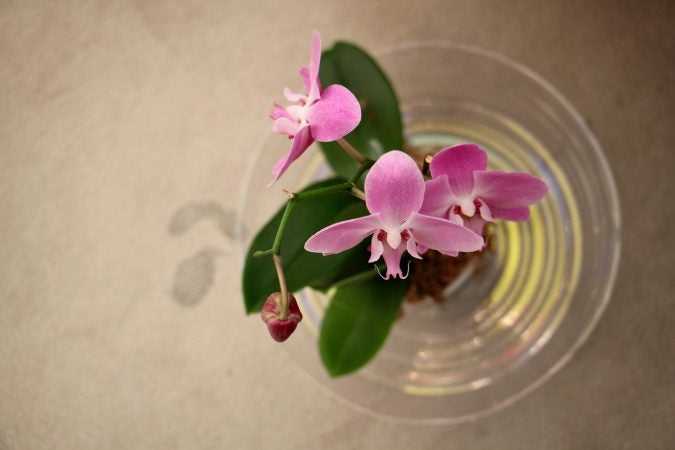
point(394, 194)
point(463, 191)
point(323, 115)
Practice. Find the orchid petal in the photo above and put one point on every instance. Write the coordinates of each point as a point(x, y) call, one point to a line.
point(282, 125)
point(514, 214)
point(475, 224)
point(508, 190)
point(455, 218)
point(437, 197)
point(279, 111)
point(313, 68)
point(293, 96)
point(411, 247)
point(442, 235)
point(458, 163)
point(301, 141)
point(335, 114)
point(342, 236)
point(376, 249)
point(392, 258)
point(485, 212)
point(298, 113)
point(394, 188)
point(304, 74)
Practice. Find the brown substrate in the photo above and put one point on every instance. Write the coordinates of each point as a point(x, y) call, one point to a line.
point(430, 276)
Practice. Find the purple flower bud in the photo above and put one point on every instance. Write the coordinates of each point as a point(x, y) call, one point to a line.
point(280, 329)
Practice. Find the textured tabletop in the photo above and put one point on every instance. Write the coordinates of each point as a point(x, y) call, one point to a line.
point(125, 127)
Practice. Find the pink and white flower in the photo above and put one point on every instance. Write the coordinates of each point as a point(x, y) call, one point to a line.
point(394, 191)
point(462, 190)
point(323, 115)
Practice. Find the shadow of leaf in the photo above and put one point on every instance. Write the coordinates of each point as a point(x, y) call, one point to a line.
point(190, 214)
point(194, 277)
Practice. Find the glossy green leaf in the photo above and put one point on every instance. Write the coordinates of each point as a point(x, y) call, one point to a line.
point(380, 129)
point(302, 268)
point(357, 322)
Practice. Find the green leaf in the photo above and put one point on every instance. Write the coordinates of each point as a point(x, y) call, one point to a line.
point(357, 322)
point(380, 129)
point(302, 268)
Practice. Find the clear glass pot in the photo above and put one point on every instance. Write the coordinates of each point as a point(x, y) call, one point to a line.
point(504, 330)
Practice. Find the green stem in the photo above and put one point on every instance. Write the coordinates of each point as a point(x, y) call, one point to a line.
point(275, 251)
point(358, 193)
point(351, 151)
point(282, 225)
point(294, 197)
point(322, 191)
point(284, 300)
point(365, 165)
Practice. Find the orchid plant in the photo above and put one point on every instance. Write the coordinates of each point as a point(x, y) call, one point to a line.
point(355, 237)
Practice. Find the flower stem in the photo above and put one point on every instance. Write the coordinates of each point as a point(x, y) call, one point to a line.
point(322, 191)
point(363, 166)
point(275, 251)
point(284, 300)
point(276, 246)
point(426, 165)
point(351, 151)
point(358, 193)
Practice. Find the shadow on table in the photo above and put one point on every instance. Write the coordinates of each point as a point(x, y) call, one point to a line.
point(194, 275)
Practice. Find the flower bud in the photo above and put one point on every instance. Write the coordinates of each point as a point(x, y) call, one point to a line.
point(278, 328)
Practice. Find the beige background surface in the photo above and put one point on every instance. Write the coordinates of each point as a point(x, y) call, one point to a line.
point(124, 128)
